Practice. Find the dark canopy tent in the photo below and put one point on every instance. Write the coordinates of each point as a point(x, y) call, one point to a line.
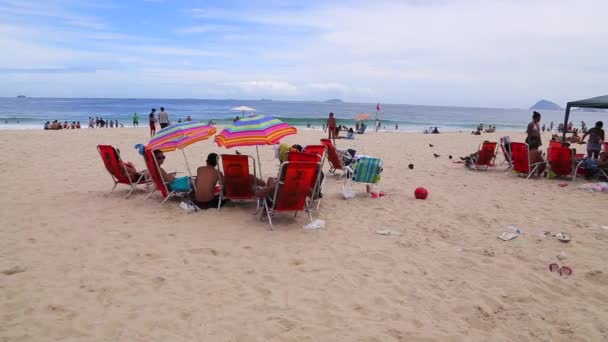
point(594, 102)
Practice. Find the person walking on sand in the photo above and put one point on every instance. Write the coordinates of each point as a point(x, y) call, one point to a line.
point(163, 118)
point(533, 132)
point(135, 120)
point(152, 122)
point(331, 127)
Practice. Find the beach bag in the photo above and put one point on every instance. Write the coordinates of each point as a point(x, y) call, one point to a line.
point(180, 184)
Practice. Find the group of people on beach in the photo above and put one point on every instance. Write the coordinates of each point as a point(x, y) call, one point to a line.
point(56, 125)
point(99, 122)
point(479, 130)
point(594, 145)
point(163, 120)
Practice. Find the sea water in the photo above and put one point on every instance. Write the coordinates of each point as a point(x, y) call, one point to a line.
point(28, 113)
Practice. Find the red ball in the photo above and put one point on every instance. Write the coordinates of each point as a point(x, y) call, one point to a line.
point(421, 193)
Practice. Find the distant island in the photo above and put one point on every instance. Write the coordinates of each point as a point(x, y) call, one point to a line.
point(333, 101)
point(20, 96)
point(545, 105)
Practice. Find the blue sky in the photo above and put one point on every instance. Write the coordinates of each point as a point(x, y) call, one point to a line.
point(506, 53)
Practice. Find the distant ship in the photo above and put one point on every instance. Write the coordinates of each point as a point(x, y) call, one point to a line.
point(20, 96)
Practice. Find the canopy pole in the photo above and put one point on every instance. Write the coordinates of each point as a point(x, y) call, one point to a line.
point(259, 163)
point(188, 167)
point(565, 129)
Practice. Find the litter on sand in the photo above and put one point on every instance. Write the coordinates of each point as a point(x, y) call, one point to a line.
point(316, 224)
point(504, 236)
point(564, 237)
point(387, 232)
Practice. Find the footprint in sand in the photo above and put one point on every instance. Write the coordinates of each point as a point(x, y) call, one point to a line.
point(285, 324)
point(296, 262)
point(13, 270)
point(597, 277)
point(209, 251)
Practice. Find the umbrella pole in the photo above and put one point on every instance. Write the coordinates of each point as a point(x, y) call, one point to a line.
point(259, 163)
point(188, 167)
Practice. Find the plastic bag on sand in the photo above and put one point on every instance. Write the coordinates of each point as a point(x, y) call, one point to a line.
point(347, 193)
point(595, 187)
point(316, 224)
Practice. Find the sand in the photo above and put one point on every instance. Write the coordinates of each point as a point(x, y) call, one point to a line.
point(93, 266)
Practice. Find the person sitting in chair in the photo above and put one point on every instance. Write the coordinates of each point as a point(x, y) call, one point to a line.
point(207, 178)
point(180, 184)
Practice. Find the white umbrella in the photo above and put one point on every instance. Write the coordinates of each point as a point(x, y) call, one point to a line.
point(243, 109)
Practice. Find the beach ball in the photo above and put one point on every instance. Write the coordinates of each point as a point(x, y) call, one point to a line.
point(421, 193)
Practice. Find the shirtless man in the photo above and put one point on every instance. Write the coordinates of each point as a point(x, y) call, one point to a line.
point(206, 179)
point(331, 127)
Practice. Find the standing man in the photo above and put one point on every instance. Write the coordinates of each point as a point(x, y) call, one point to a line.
point(596, 139)
point(163, 118)
point(152, 122)
point(332, 127)
point(533, 132)
point(135, 120)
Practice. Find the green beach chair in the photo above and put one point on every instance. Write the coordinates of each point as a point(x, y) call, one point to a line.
point(366, 170)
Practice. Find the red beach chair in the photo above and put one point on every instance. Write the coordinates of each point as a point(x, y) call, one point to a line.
point(116, 167)
point(332, 155)
point(316, 149)
point(560, 160)
point(294, 185)
point(485, 155)
point(157, 178)
point(521, 160)
point(316, 187)
point(236, 182)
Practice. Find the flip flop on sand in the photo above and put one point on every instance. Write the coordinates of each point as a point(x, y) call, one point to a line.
point(563, 271)
point(504, 236)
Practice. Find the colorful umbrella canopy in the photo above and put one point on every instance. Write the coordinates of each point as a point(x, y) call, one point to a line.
point(253, 131)
point(362, 116)
point(180, 135)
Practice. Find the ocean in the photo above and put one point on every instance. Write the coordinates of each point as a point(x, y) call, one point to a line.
point(32, 113)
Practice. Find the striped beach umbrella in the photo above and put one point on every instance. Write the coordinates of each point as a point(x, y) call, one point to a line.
point(254, 130)
point(179, 136)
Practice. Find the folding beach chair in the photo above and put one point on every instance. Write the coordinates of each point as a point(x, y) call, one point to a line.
point(157, 179)
point(294, 185)
point(560, 159)
point(236, 182)
point(335, 161)
point(116, 167)
point(365, 170)
point(316, 149)
point(505, 146)
point(589, 168)
point(485, 156)
point(555, 143)
point(521, 160)
point(317, 187)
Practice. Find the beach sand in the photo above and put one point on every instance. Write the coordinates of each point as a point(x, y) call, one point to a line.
point(83, 264)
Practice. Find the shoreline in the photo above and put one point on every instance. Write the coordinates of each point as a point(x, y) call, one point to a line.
point(4, 127)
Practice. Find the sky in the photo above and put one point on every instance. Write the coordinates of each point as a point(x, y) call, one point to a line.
point(488, 53)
